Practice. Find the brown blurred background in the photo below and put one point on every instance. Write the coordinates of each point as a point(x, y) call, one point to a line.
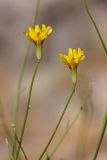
point(71, 28)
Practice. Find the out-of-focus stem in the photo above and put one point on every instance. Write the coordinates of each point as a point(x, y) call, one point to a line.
point(101, 136)
point(22, 70)
point(65, 133)
point(58, 124)
point(23, 66)
point(5, 125)
point(27, 110)
point(96, 27)
point(25, 156)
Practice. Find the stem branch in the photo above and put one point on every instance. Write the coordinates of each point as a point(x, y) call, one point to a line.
point(57, 126)
point(27, 109)
point(101, 137)
point(96, 27)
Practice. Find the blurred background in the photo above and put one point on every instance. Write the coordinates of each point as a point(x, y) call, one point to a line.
point(71, 28)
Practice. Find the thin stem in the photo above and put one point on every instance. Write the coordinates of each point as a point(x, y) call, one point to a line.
point(18, 94)
point(57, 126)
point(101, 137)
point(6, 131)
point(96, 27)
point(68, 128)
point(23, 66)
point(10, 153)
point(36, 12)
point(5, 125)
point(10, 156)
point(65, 133)
point(27, 110)
point(17, 140)
point(14, 145)
point(21, 147)
point(105, 49)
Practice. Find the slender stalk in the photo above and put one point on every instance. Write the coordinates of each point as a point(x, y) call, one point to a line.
point(101, 136)
point(5, 125)
point(65, 133)
point(7, 132)
point(68, 128)
point(27, 110)
point(10, 153)
point(17, 140)
point(36, 12)
point(57, 126)
point(25, 156)
point(18, 94)
point(105, 49)
point(96, 27)
point(23, 66)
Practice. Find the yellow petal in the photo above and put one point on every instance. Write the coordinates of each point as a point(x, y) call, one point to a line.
point(49, 30)
point(75, 56)
point(43, 26)
point(63, 58)
point(70, 53)
point(37, 34)
point(37, 29)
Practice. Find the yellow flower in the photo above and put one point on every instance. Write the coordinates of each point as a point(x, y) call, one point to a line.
point(74, 57)
point(37, 34)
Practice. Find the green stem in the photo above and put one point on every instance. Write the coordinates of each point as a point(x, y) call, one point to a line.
point(105, 49)
point(18, 94)
point(101, 137)
point(27, 110)
point(36, 12)
point(23, 66)
point(10, 151)
point(74, 75)
point(21, 147)
point(39, 51)
point(96, 27)
point(65, 133)
point(57, 126)
point(5, 125)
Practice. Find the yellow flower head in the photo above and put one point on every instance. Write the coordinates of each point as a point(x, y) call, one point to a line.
point(74, 57)
point(37, 34)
